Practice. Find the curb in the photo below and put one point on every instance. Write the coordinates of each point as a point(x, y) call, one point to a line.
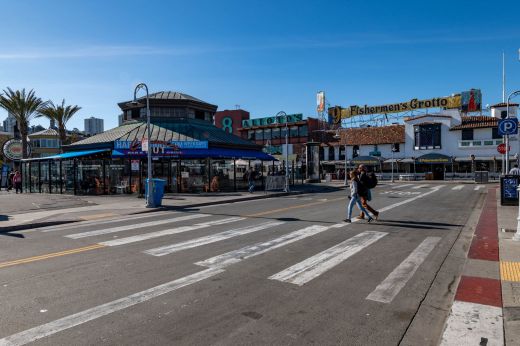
point(428, 324)
point(476, 316)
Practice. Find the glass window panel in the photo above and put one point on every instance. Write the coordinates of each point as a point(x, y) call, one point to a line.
point(259, 134)
point(293, 132)
point(304, 131)
point(267, 134)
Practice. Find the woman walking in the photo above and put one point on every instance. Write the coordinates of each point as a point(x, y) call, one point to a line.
point(17, 181)
point(354, 198)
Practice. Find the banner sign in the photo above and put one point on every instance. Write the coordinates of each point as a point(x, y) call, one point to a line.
point(320, 101)
point(158, 148)
point(468, 101)
point(13, 149)
point(289, 118)
point(136, 144)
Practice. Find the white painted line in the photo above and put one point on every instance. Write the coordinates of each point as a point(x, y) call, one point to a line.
point(478, 187)
point(151, 235)
point(458, 187)
point(236, 256)
point(79, 318)
point(469, 323)
point(168, 249)
point(420, 186)
point(401, 186)
point(392, 285)
point(392, 206)
point(316, 265)
point(135, 226)
point(103, 222)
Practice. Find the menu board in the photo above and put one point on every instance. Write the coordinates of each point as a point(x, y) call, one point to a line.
point(508, 190)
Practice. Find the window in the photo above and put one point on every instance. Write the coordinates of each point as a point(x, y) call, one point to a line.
point(395, 147)
point(467, 134)
point(304, 131)
point(355, 151)
point(276, 133)
point(331, 154)
point(293, 132)
point(494, 133)
point(251, 135)
point(259, 135)
point(267, 134)
point(427, 136)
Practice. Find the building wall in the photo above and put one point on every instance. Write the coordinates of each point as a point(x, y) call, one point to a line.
point(231, 120)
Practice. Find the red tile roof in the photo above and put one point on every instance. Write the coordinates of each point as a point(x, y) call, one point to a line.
point(476, 122)
point(373, 135)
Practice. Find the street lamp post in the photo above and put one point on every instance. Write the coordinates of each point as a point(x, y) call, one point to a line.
point(149, 200)
point(280, 113)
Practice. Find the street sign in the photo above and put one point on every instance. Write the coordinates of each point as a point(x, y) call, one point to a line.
point(501, 148)
point(508, 126)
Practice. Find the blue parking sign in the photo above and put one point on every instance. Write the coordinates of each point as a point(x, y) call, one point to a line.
point(508, 126)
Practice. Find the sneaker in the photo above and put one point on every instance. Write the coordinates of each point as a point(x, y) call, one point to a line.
point(376, 215)
point(347, 221)
point(370, 220)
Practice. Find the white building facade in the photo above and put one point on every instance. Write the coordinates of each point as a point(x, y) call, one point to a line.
point(442, 144)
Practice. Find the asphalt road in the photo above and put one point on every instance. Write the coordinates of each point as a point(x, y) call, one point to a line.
point(275, 271)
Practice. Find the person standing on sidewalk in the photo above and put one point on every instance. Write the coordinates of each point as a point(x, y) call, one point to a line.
point(355, 188)
point(251, 180)
point(17, 181)
point(515, 170)
point(367, 181)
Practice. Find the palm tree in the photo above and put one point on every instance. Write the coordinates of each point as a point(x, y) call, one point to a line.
point(59, 113)
point(22, 106)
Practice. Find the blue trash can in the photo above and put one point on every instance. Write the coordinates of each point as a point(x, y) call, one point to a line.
point(157, 190)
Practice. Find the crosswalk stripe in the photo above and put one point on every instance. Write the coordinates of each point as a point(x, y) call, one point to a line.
point(135, 226)
point(96, 312)
point(420, 186)
point(478, 187)
point(318, 264)
point(146, 236)
point(169, 249)
point(236, 256)
point(397, 279)
point(401, 186)
point(392, 206)
point(458, 187)
point(73, 225)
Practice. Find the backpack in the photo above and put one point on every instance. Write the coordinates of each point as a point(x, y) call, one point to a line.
point(371, 182)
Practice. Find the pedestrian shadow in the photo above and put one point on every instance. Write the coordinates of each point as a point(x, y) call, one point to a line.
point(9, 234)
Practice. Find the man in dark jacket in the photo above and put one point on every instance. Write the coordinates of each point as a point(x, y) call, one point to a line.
point(364, 192)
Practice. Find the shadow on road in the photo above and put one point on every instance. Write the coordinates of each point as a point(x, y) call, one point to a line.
point(9, 234)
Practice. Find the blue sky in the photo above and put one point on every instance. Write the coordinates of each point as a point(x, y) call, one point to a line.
point(265, 56)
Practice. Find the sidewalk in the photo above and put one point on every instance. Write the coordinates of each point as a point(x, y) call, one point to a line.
point(486, 309)
point(23, 211)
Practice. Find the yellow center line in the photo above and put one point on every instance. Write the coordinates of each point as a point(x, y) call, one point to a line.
point(50, 255)
point(293, 207)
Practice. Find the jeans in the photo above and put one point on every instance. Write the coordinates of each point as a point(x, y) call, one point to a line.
point(355, 200)
point(251, 186)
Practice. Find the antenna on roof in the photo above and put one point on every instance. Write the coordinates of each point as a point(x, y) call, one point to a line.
point(237, 106)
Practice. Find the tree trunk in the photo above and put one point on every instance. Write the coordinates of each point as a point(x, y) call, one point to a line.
point(62, 134)
point(23, 134)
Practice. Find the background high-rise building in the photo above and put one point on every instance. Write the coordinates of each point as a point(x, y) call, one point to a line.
point(10, 123)
point(93, 126)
